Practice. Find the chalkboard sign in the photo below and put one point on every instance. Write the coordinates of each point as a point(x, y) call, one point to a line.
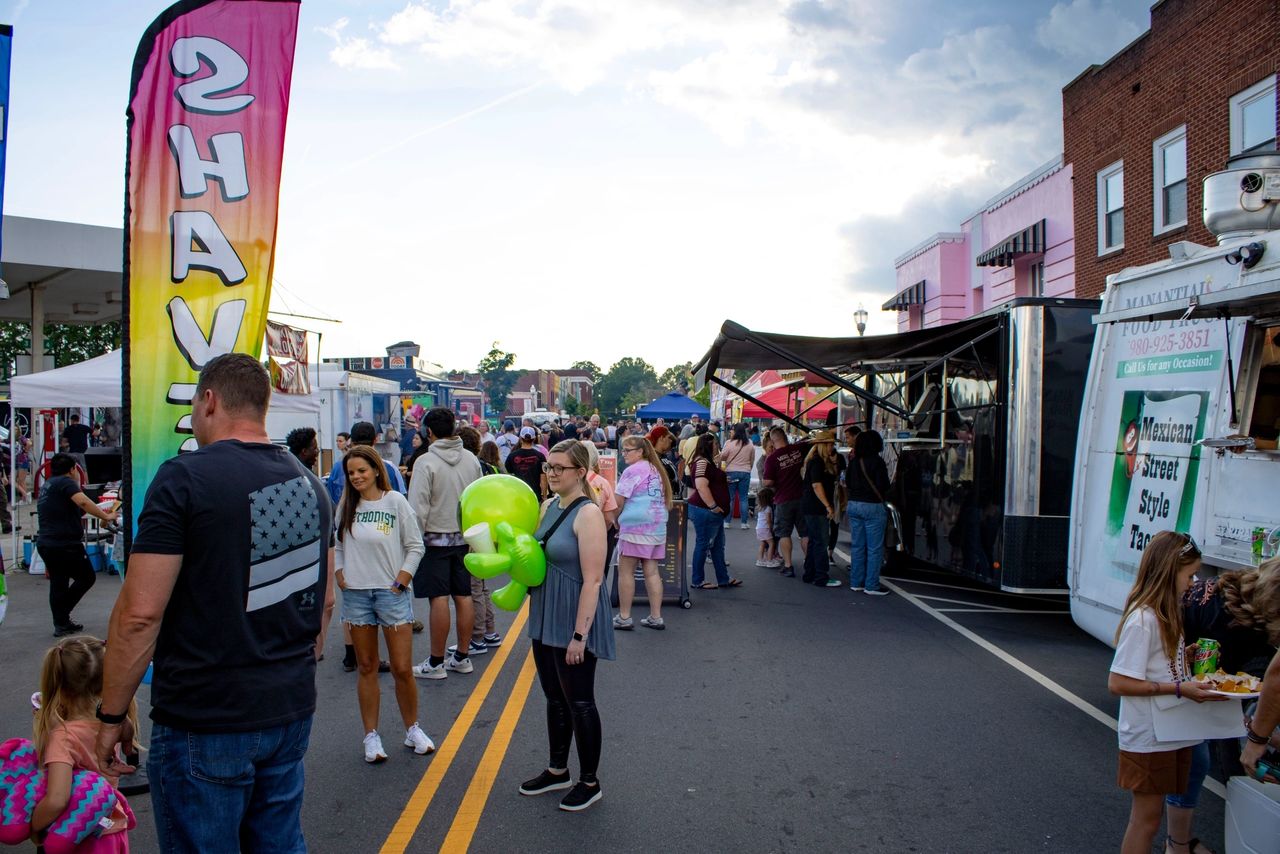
point(675, 578)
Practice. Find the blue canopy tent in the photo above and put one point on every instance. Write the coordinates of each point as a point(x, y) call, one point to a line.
point(673, 405)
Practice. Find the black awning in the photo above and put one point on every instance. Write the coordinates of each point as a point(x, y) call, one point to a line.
point(906, 298)
point(739, 348)
point(1029, 241)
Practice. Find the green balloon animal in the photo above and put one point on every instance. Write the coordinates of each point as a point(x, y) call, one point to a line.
point(508, 510)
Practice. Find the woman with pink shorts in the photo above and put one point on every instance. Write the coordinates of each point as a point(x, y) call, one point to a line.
point(643, 494)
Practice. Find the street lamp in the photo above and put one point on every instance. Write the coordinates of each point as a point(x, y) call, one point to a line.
point(860, 318)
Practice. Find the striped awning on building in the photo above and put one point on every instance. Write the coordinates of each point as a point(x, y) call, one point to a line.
point(1029, 241)
point(906, 298)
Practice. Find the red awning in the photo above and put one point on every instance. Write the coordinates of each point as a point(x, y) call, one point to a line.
point(789, 400)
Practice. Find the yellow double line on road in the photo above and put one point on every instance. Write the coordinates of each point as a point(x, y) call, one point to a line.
point(468, 816)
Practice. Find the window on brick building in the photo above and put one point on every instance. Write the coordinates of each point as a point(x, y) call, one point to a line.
point(1253, 117)
point(1169, 154)
point(1111, 208)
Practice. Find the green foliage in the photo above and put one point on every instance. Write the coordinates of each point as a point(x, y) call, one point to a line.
point(572, 406)
point(590, 367)
point(677, 377)
point(495, 369)
point(629, 383)
point(67, 343)
point(704, 396)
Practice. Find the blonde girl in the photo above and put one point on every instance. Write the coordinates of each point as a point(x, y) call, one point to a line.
point(1150, 660)
point(65, 730)
point(643, 495)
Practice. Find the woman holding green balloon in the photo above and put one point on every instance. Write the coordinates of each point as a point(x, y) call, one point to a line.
point(569, 625)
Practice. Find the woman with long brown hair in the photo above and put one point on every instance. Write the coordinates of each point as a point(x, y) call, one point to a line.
point(708, 508)
point(644, 500)
point(1149, 661)
point(379, 545)
point(820, 508)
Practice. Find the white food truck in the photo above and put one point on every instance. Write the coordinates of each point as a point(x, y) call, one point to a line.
point(1182, 404)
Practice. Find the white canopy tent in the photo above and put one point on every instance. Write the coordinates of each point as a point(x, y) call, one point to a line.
point(99, 382)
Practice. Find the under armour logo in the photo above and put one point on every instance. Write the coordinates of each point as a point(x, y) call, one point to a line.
point(309, 599)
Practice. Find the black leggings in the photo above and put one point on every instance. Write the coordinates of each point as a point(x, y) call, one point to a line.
point(571, 708)
point(70, 577)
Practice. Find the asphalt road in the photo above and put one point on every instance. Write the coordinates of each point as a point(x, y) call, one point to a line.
point(770, 717)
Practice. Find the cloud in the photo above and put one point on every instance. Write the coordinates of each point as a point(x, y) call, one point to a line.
point(355, 52)
point(915, 113)
point(1086, 31)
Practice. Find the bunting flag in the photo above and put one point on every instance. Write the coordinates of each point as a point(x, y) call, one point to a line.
point(287, 358)
point(206, 122)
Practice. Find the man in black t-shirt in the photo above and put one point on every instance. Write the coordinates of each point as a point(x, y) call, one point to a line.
point(228, 581)
point(60, 541)
point(525, 462)
point(77, 435)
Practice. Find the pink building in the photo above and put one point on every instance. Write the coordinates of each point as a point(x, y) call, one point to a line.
point(1021, 244)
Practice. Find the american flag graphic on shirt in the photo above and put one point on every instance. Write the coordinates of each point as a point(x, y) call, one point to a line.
point(286, 532)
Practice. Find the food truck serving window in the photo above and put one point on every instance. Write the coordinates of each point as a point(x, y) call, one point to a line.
point(1260, 385)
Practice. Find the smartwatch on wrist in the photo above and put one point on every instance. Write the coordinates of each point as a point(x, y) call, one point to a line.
point(110, 720)
point(578, 636)
point(400, 586)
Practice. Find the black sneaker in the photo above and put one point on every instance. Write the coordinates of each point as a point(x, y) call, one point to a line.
point(580, 797)
point(546, 782)
point(64, 631)
point(349, 664)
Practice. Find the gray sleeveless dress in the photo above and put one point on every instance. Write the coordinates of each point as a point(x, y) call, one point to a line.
point(553, 605)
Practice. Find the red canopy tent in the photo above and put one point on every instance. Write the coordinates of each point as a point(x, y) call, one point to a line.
point(789, 398)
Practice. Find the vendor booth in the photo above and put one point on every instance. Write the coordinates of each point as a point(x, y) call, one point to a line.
point(979, 419)
point(673, 406)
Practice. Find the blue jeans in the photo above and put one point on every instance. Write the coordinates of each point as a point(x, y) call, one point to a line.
point(817, 563)
point(1195, 780)
point(708, 530)
point(866, 530)
point(739, 482)
point(229, 791)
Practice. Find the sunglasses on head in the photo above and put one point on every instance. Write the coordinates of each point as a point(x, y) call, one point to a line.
point(1189, 547)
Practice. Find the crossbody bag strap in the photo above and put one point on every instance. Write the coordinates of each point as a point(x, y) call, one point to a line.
point(862, 464)
point(556, 524)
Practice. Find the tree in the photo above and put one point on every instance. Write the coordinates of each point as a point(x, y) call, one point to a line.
point(590, 367)
point(499, 379)
point(67, 343)
point(630, 382)
point(571, 405)
point(677, 377)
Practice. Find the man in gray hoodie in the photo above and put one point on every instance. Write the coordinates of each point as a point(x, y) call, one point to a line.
point(439, 476)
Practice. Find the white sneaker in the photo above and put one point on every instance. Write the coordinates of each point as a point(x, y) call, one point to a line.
point(426, 671)
point(457, 665)
point(855, 588)
point(417, 739)
point(744, 526)
point(373, 752)
point(763, 563)
point(727, 525)
point(775, 563)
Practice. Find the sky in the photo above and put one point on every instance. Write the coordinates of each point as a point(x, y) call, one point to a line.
point(593, 179)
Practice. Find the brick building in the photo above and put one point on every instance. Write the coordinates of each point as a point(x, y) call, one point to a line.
point(1143, 130)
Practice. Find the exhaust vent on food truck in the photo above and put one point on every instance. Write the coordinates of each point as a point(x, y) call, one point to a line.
point(1242, 200)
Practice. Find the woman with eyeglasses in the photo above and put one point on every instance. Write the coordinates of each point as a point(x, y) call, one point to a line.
point(569, 626)
point(644, 499)
point(708, 508)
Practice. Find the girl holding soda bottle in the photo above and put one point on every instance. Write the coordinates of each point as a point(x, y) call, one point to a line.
point(1150, 660)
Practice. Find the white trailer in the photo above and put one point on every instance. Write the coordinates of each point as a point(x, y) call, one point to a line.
point(1182, 404)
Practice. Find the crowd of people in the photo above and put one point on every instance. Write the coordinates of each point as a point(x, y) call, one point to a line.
point(235, 653)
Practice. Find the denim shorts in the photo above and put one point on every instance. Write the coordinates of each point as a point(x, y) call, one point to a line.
point(378, 607)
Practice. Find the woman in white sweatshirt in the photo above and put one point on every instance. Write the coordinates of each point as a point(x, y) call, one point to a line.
point(378, 548)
